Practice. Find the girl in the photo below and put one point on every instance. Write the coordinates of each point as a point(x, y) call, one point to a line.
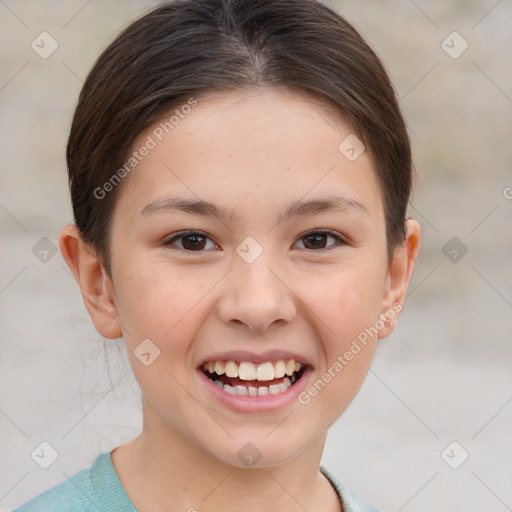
point(239, 172)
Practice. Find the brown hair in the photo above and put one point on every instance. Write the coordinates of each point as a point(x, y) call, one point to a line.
point(190, 48)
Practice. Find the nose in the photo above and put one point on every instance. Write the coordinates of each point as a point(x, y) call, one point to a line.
point(255, 295)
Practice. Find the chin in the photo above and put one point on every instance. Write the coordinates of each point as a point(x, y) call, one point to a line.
point(258, 450)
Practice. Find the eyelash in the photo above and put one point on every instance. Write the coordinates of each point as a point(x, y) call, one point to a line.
point(339, 240)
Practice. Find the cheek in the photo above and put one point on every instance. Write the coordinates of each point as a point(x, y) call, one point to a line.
point(159, 304)
point(346, 300)
point(166, 305)
point(155, 299)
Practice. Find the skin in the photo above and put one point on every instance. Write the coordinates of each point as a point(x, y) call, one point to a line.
point(254, 152)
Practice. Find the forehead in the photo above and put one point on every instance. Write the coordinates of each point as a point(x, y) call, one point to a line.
point(274, 102)
point(254, 146)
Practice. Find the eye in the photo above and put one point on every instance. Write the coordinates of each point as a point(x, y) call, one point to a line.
point(316, 239)
point(196, 241)
point(193, 241)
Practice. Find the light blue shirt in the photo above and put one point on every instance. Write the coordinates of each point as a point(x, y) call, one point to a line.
point(98, 489)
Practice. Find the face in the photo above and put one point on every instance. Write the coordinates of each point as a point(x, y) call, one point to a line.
point(240, 286)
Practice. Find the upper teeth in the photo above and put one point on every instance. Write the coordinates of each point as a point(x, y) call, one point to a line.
point(245, 370)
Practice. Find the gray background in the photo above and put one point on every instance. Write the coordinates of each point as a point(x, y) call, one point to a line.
point(443, 376)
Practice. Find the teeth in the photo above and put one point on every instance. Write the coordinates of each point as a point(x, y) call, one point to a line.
point(241, 390)
point(274, 389)
point(265, 371)
point(290, 367)
point(279, 369)
point(263, 391)
point(245, 370)
point(229, 389)
point(231, 369)
point(220, 367)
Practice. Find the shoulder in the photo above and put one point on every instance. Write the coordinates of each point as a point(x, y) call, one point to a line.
point(94, 488)
point(68, 496)
point(351, 502)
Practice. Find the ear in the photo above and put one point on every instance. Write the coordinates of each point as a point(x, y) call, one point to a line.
point(96, 286)
point(398, 276)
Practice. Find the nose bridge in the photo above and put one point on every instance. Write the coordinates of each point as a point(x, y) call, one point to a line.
point(253, 263)
point(256, 294)
point(258, 278)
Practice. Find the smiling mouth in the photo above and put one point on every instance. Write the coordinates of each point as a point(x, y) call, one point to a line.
point(244, 378)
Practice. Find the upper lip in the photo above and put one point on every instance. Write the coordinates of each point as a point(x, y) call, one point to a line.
point(256, 358)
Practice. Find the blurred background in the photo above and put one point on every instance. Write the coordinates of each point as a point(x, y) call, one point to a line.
point(428, 428)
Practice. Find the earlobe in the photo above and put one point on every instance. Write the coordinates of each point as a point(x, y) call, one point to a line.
point(95, 285)
point(398, 277)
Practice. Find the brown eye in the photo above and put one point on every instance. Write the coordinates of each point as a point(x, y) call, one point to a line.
point(192, 241)
point(318, 239)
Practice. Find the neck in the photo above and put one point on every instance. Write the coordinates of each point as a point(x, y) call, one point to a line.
point(161, 468)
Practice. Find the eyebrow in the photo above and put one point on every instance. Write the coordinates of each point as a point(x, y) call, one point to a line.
point(294, 209)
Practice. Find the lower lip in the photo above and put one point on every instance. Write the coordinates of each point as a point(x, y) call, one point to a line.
point(253, 404)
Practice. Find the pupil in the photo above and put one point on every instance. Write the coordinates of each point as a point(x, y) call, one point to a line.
point(195, 245)
point(317, 237)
